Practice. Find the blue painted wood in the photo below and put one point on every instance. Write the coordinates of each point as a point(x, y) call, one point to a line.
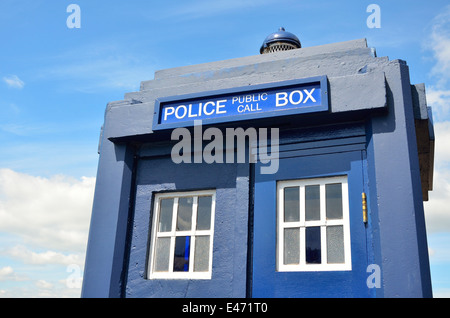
point(229, 111)
point(108, 229)
point(267, 282)
point(230, 234)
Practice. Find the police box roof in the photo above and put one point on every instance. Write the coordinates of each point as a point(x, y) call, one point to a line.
point(280, 36)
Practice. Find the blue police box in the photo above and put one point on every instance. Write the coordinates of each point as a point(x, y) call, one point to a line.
point(299, 172)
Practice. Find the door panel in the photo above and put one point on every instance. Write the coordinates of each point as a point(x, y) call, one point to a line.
point(229, 252)
point(266, 280)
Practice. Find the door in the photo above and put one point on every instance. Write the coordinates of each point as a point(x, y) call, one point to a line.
point(188, 236)
point(309, 237)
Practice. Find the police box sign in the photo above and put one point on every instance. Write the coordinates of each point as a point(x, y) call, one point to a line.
point(243, 103)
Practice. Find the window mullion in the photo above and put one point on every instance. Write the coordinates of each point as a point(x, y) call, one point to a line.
point(323, 228)
point(191, 254)
point(302, 225)
point(323, 210)
point(194, 214)
point(323, 243)
point(321, 222)
point(302, 206)
point(171, 254)
point(173, 234)
point(193, 236)
point(174, 216)
point(302, 246)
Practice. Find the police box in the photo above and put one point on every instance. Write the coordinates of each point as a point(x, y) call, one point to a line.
point(183, 206)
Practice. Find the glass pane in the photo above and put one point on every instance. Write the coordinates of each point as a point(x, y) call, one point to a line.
point(334, 200)
point(165, 215)
point(335, 244)
point(313, 249)
point(204, 213)
point(184, 218)
point(162, 253)
point(181, 259)
point(312, 202)
point(291, 204)
point(291, 246)
point(201, 259)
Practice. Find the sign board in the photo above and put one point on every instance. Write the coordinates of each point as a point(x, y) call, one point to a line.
point(243, 103)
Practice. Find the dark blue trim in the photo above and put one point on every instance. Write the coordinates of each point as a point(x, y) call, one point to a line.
point(324, 106)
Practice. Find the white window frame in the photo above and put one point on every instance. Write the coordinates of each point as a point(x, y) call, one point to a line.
point(193, 233)
point(323, 223)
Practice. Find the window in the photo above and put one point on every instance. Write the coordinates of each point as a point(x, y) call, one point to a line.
point(313, 225)
point(182, 235)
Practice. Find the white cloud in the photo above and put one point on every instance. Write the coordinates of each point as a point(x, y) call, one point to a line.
point(42, 284)
point(439, 100)
point(14, 81)
point(52, 213)
point(437, 210)
point(49, 257)
point(7, 273)
point(438, 94)
point(439, 43)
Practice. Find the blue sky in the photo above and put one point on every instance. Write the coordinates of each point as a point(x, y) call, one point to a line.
point(55, 83)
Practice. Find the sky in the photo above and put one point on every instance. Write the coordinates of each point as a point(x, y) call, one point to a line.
point(57, 77)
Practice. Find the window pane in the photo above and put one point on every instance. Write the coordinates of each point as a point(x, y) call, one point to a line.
point(184, 218)
point(201, 259)
point(292, 246)
point(204, 213)
point(313, 249)
point(162, 253)
point(181, 259)
point(165, 215)
point(335, 244)
point(334, 200)
point(312, 202)
point(291, 204)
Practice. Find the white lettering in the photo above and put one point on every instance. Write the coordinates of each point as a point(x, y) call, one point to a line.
point(193, 308)
point(166, 112)
point(177, 115)
point(204, 108)
point(219, 106)
point(291, 98)
point(309, 95)
point(283, 98)
point(190, 115)
point(278, 98)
